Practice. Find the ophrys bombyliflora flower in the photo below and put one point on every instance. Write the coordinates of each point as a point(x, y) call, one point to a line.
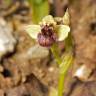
point(48, 31)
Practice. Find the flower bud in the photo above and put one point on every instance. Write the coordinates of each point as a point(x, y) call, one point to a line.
point(66, 18)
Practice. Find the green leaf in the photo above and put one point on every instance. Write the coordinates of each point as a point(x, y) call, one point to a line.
point(66, 63)
point(39, 10)
point(62, 31)
point(33, 30)
point(37, 1)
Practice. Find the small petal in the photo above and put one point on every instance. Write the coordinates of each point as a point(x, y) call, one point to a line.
point(66, 18)
point(62, 31)
point(58, 20)
point(33, 30)
point(49, 20)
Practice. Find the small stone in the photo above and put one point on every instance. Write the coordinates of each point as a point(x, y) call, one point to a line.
point(83, 73)
point(51, 69)
point(7, 41)
point(36, 52)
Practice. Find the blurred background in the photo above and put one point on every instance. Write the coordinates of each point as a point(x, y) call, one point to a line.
point(26, 69)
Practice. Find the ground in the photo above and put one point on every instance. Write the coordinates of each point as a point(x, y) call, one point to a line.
point(25, 73)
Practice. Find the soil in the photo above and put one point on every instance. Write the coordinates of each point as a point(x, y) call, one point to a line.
point(25, 73)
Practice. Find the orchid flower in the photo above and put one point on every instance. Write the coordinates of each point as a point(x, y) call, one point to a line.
point(48, 31)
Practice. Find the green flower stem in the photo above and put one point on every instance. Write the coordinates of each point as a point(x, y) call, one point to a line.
point(55, 52)
point(64, 63)
point(64, 66)
point(61, 83)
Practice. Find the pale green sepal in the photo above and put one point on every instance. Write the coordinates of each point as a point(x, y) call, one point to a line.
point(58, 19)
point(33, 30)
point(48, 20)
point(62, 31)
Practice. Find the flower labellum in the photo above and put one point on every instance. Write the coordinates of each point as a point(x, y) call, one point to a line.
point(48, 32)
point(47, 36)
